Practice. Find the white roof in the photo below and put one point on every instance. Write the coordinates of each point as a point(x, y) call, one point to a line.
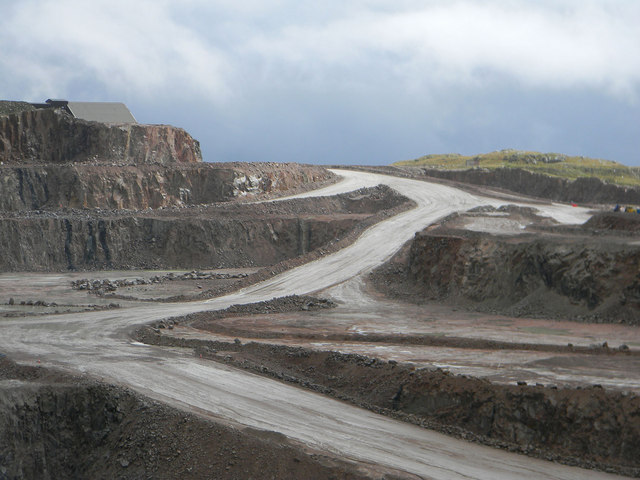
point(104, 112)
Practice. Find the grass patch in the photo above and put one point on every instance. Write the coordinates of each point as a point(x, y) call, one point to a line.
point(552, 164)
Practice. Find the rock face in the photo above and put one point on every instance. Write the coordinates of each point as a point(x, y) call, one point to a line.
point(583, 190)
point(83, 195)
point(53, 136)
point(36, 187)
point(581, 273)
point(589, 424)
point(525, 275)
point(71, 243)
point(221, 235)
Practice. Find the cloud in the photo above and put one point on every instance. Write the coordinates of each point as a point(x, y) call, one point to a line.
point(212, 49)
point(122, 46)
point(538, 44)
point(291, 80)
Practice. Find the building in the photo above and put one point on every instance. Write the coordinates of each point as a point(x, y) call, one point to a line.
point(104, 112)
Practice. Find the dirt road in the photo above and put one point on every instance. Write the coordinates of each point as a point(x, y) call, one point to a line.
point(97, 343)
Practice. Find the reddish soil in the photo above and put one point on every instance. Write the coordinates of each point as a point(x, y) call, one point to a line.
point(592, 427)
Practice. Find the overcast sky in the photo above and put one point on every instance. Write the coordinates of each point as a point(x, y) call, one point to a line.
point(349, 81)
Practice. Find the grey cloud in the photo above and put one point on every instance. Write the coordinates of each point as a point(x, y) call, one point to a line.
point(353, 81)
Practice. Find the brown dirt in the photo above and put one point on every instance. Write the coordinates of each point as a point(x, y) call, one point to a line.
point(590, 427)
point(54, 425)
point(618, 221)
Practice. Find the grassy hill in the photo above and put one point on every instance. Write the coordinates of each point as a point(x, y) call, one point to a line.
point(553, 164)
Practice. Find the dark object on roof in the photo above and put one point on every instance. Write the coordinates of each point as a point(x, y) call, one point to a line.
point(56, 102)
point(103, 112)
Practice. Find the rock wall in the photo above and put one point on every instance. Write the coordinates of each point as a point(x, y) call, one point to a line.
point(590, 425)
point(213, 236)
point(53, 244)
point(549, 276)
point(53, 136)
point(136, 187)
point(583, 190)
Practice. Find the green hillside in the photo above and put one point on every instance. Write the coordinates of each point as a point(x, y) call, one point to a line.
point(554, 164)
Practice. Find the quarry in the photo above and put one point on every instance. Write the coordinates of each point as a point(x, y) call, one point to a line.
point(165, 317)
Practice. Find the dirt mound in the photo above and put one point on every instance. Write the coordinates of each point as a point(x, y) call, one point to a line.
point(291, 303)
point(56, 426)
point(592, 427)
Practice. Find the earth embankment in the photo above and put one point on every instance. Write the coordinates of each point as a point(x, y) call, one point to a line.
point(589, 427)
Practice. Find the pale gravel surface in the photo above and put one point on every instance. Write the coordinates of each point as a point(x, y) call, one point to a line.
point(97, 343)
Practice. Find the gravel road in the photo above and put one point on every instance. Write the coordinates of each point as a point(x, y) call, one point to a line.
point(98, 344)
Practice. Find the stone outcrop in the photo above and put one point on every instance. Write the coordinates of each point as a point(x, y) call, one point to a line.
point(214, 236)
point(577, 278)
point(583, 273)
point(50, 244)
point(136, 187)
point(53, 136)
point(583, 190)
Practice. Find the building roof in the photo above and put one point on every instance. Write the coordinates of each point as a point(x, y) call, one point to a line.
point(105, 112)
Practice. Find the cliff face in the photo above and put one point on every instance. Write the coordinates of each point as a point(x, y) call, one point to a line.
point(54, 244)
point(222, 235)
point(35, 187)
point(576, 278)
point(583, 190)
point(53, 136)
point(85, 195)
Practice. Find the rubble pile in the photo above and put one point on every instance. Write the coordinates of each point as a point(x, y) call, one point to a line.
point(107, 285)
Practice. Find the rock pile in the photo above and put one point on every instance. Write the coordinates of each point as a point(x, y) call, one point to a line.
point(107, 285)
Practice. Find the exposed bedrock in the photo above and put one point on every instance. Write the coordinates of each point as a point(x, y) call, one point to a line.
point(576, 273)
point(584, 190)
point(143, 186)
point(53, 136)
point(576, 278)
point(223, 235)
point(72, 243)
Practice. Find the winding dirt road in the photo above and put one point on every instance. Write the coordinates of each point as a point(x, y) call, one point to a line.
point(98, 344)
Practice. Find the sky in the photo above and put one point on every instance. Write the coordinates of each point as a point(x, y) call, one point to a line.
point(343, 81)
